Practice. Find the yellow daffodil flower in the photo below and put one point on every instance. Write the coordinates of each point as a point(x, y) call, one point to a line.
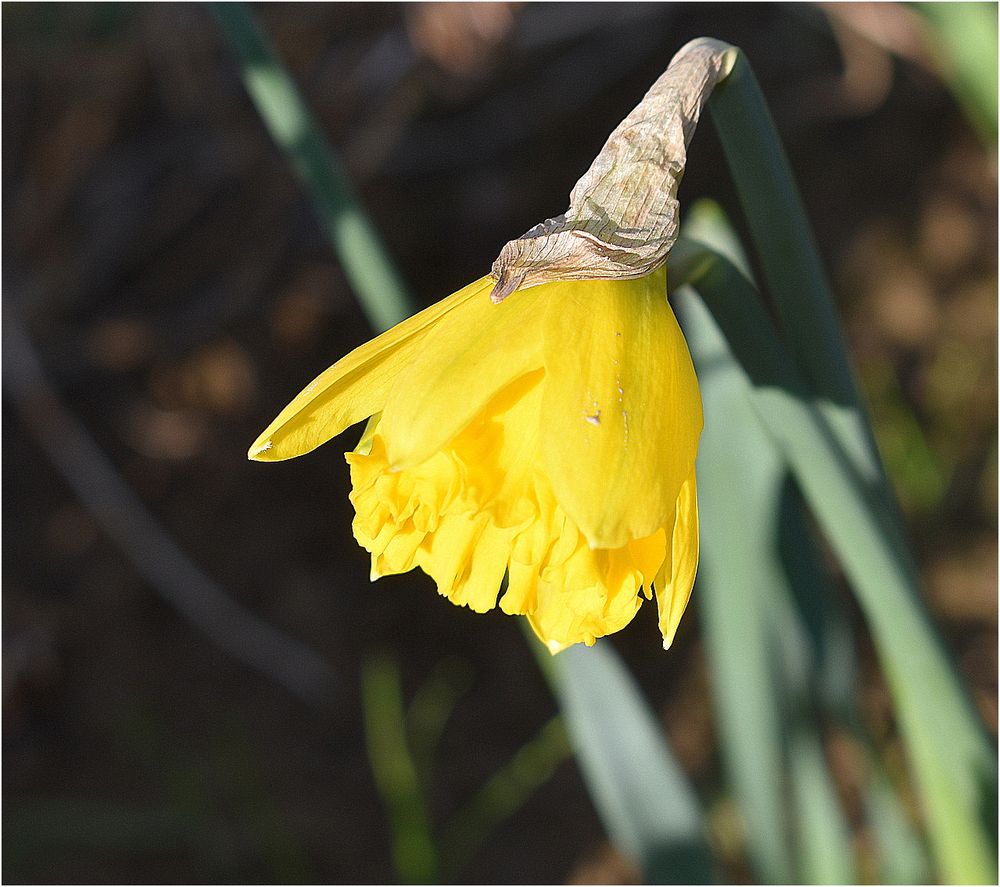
point(550, 439)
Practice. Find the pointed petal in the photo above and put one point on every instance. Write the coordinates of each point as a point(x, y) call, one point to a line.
point(676, 579)
point(463, 362)
point(621, 414)
point(356, 386)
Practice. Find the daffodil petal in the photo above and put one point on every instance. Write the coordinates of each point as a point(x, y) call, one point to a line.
point(467, 358)
point(621, 413)
point(676, 578)
point(564, 616)
point(648, 555)
point(356, 386)
point(466, 557)
point(478, 586)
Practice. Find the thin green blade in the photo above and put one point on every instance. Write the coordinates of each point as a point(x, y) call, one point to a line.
point(737, 573)
point(365, 260)
point(764, 657)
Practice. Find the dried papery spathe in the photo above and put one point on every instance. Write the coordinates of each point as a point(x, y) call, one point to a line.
point(623, 214)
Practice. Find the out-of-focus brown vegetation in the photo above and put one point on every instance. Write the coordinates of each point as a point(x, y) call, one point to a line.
point(177, 290)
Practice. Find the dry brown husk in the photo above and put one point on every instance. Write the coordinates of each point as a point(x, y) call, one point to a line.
point(623, 215)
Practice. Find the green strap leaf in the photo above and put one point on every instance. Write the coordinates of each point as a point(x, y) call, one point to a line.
point(640, 791)
point(954, 764)
point(762, 643)
point(823, 839)
point(736, 577)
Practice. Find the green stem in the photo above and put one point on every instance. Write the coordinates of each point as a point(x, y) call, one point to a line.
point(364, 257)
point(413, 850)
point(790, 263)
point(506, 792)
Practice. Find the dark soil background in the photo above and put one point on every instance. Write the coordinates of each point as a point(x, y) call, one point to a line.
point(167, 289)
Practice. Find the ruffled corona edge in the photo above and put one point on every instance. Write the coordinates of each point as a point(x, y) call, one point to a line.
point(479, 510)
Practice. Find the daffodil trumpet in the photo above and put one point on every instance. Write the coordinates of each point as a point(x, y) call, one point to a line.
point(531, 439)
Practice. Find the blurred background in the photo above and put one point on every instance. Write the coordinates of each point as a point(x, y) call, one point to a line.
point(192, 647)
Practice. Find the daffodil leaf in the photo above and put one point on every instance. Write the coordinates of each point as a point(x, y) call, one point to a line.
point(761, 653)
point(640, 791)
point(954, 766)
point(823, 840)
point(742, 454)
point(901, 853)
point(737, 578)
point(363, 256)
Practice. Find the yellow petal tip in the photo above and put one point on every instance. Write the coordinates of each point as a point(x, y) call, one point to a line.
point(668, 637)
point(255, 452)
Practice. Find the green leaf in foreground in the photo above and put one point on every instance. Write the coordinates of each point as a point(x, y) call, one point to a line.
point(638, 788)
point(762, 655)
point(953, 762)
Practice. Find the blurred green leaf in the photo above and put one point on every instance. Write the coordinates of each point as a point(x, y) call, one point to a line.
point(737, 572)
point(504, 794)
point(823, 840)
point(965, 38)
point(413, 850)
point(640, 791)
point(763, 657)
point(901, 855)
point(365, 260)
point(803, 300)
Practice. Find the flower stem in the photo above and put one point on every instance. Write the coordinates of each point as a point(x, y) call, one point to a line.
point(793, 274)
